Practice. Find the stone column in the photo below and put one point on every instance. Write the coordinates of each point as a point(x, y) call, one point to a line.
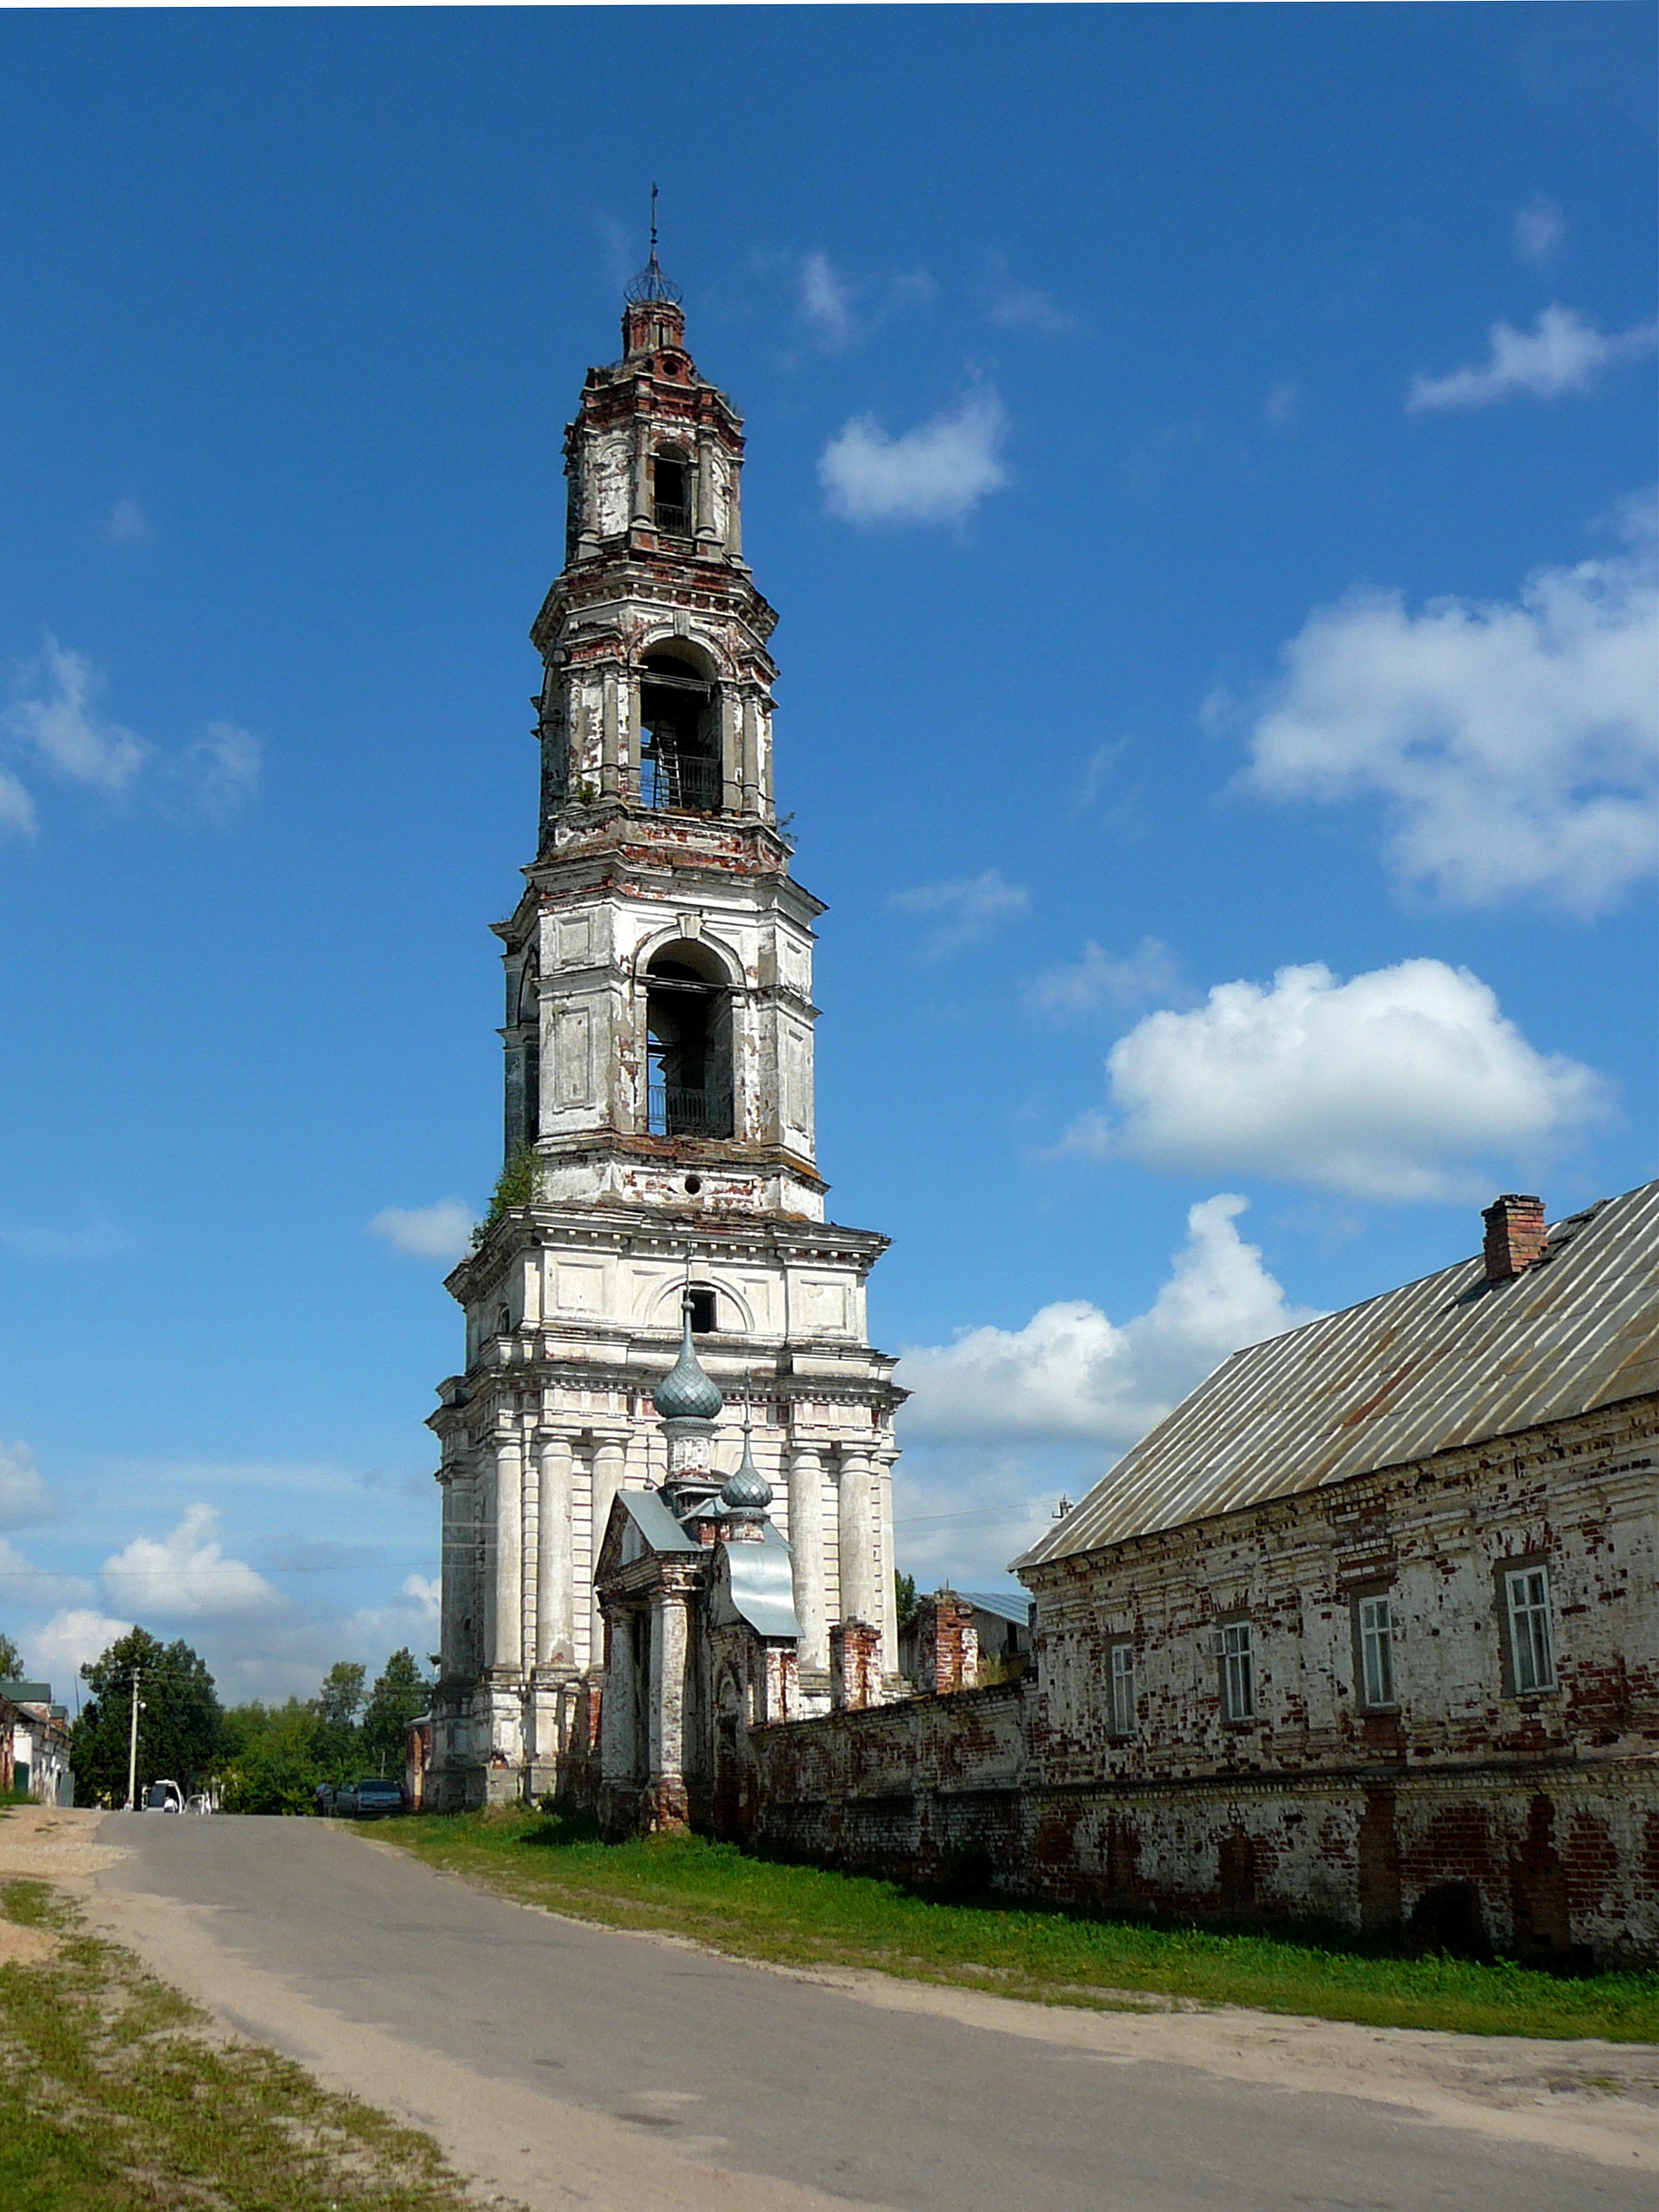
point(859, 1598)
point(555, 1642)
point(616, 1744)
point(610, 1460)
point(456, 1554)
point(641, 517)
point(506, 1619)
point(887, 1607)
point(806, 1549)
point(665, 1753)
point(749, 753)
point(704, 519)
point(611, 683)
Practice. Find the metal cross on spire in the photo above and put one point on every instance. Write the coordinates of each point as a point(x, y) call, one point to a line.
point(651, 283)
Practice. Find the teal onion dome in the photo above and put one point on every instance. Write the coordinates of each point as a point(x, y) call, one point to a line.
point(747, 1490)
point(685, 1393)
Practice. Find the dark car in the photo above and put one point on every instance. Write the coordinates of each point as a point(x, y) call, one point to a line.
point(370, 1798)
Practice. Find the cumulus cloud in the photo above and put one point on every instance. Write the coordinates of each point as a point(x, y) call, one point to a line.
point(1408, 1083)
point(1516, 743)
point(127, 524)
point(223, 769)
point(1070, 1373)
point(1539, 226)
point(937, 471)
point(1564, 353)
point(23, 1493)
point(1096, 978)
point(826, 300)
point(69, 1641)
point(58, 724)
point(963, 910)
point(186, 1575)
point(442, 1232)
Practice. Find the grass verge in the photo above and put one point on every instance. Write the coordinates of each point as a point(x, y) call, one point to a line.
point(810, 1916)
point(119, 2097)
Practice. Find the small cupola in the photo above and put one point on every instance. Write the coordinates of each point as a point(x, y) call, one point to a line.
point(747, 1495)
point(653, 320)
point(686, 1392)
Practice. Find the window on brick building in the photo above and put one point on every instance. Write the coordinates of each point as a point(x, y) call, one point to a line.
point(1235, 1649)
point(1374, 1625)
point(1122, 1665)
point(1532, 1646)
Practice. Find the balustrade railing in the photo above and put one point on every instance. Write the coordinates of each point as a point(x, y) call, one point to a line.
point(680, 783)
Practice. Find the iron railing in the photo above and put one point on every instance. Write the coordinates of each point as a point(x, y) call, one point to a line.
point(671, 1110)
point(680, 783)
point(675, 521)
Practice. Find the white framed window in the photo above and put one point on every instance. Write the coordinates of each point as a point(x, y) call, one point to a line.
point(1122, 1690)
point(1237, 1671)
point(1532, 1647)
point(1375, 1617)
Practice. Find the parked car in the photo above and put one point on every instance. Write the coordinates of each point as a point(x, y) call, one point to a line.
point(370, 1797)
point(163, 1797)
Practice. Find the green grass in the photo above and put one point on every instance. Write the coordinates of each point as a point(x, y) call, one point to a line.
point(119, 2098)
point(807, 1916)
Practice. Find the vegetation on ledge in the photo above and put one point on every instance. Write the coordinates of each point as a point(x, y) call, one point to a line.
point(810, 1916)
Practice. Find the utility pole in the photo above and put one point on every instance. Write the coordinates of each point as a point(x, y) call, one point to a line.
point(132, 1749)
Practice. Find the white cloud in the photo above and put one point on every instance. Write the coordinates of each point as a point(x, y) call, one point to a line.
point(826, 301)
point(1404, 1083)
point(71, 1639)
point(937, 471)
point(1516, 743)
point(24, 1585)
point(60, 726)
point(223, 769)
point(185, 1576)
point(98, 1240)
point(966, 909)
point(1097, 979)
point(1539, 226)
point(1015, 306)
point(128, 524)
point(1564, 353)
point(16, 807)
point(23, 1493)
point(1281, 405)
point(1072, 1373)
point(442, 1232)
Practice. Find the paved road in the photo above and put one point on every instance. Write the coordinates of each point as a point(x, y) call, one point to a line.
point(767, 2075)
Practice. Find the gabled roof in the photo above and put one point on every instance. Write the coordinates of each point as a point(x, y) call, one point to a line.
point(1000, 1605)
point(1450, 1360)
point(642, 1524)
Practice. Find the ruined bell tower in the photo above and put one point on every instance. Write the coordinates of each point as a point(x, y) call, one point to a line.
point(658, 1126)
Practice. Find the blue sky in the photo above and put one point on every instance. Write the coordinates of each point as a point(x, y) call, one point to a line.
point(1203, 459)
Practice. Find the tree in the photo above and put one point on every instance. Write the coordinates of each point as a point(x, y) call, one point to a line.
point(904, 1591)
point(271, 1763)
point(11, 1661)
point(179, 1724)
point(401, 1694)
point(336, 1705)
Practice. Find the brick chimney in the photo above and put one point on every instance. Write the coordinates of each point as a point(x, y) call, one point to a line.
point(1515, 1235)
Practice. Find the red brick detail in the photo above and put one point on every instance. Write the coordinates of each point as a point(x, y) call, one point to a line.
point(1515, 1235)
point(855, 1665)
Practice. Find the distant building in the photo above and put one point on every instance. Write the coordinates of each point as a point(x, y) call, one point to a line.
point(35, 1745)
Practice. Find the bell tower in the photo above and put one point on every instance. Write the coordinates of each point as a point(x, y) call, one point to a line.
point(659, 1142)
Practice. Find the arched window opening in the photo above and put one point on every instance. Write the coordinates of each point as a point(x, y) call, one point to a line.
point(671, 494)
point(679, 737)
point(687, 1048)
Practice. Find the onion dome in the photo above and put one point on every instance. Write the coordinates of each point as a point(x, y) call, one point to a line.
point(748, 1491)
point(685, 1393)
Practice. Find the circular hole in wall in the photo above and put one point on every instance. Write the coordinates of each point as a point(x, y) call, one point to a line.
point(694, 1184)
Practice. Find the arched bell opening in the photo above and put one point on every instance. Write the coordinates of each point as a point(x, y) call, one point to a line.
point(670, 491)
point(679, 734)
point(523, 1095)
point(689, 1090)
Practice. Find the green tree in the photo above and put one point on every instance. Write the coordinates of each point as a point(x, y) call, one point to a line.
point(336, 1705)
point(401, 1694)
point(180, 1721)
point(904, 1591)
point(11, 1661)
point(270, 1758)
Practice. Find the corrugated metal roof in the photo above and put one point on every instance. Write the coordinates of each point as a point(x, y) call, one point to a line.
point(1446, 1361)
point(1016, 1607)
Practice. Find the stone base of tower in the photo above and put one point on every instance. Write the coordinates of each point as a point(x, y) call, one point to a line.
point(511, 1742)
